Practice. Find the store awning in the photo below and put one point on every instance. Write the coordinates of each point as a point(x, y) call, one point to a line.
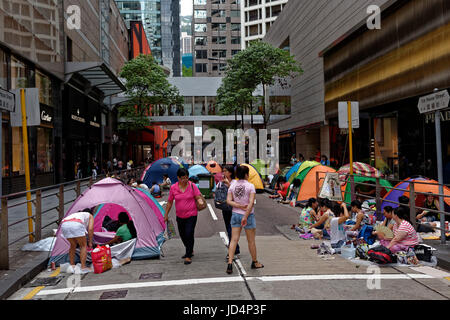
point(98, 74)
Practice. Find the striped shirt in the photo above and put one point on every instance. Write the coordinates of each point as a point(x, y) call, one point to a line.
point(411, 238)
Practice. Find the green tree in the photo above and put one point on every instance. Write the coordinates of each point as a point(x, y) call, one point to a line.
point(260, 64)
point(146, 87)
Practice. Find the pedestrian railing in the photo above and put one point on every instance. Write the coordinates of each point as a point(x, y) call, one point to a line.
point(413, 208)
point(35, 212)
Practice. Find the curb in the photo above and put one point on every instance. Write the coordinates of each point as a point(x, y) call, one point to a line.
point(23, 275)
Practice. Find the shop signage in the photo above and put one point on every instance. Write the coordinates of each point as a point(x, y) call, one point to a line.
point(343, 114)
point(433, 102)
point(445, 116)
point(7, 102)
point(46, 115)
point(77, 117)
point(94, 123)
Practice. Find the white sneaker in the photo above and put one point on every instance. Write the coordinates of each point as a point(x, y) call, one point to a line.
point(70, 269)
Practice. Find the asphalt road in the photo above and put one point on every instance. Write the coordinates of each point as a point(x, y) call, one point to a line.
point(293, 271)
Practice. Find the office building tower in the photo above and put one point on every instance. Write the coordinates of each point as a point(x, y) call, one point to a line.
point(257, 17)
point(216, 35)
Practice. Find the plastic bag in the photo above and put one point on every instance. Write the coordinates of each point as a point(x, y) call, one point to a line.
point(101, 259)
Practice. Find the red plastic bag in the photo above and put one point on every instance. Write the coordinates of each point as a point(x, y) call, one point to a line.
point(101, 259)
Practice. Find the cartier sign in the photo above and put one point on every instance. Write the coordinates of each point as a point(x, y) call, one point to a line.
point(46, 115)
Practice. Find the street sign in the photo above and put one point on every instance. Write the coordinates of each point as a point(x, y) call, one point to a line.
point(343, 114)
point(7, 102)
point(435, 101)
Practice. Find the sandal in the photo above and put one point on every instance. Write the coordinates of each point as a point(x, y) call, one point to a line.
point(254, 266)
point(187, 260)
point(230, 268)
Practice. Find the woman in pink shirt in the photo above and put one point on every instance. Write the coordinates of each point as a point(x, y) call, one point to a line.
point(241, 196)
point(405, 236)
point(185, 194)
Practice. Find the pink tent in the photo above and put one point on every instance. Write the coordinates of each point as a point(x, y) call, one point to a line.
point(116, 195)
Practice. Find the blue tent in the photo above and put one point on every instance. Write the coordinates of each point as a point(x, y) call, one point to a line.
point(293, 170)
point(196, 170)
point(163, 166)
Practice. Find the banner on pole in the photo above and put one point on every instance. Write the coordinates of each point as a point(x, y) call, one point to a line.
point(32, 107)
point(331, 188)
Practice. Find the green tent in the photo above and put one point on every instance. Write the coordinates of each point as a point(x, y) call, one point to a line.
point(260, 166)
point(305, 164)
point(386, 185)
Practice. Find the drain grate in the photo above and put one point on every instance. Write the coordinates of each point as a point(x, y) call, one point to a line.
point(46, 282)
point(114, 294)
point(146, 276)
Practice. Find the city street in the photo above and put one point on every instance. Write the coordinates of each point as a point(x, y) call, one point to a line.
point(292, 270)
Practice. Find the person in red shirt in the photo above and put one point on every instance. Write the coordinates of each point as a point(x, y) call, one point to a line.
point(284, 187)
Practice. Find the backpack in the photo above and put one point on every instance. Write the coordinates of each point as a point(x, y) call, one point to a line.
point(381, 255)
point(361, 251)
point(220, 197)
point(366, 233)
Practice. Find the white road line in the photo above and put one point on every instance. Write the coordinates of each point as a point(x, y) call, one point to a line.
point(141, 285)
point(224, 237)
point(212, 212)
point(232, 279)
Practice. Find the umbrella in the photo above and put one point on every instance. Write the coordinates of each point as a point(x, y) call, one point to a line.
point(360, 169)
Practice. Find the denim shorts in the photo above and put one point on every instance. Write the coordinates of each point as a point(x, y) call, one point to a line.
point(236, 220)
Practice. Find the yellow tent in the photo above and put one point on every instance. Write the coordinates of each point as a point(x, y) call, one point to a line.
point(255, 178)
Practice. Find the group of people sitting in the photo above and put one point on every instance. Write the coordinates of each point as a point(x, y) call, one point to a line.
point(155, 189)
point(324, 219)
point(285, 192)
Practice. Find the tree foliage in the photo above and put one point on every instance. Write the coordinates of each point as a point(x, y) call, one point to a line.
point(260, 64)
point(146, 87)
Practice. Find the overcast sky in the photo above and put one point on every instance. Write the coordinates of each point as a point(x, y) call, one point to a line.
point(186, 7)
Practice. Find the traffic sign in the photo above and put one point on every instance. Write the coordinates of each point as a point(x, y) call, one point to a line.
point(435, 101)
point(7, 102)
point(343, 114)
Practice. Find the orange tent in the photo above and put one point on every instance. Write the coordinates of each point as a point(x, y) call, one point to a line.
point(308, 189)
point(213, 167)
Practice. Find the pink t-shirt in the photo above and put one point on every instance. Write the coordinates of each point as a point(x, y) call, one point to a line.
point(185, 205)
point(411, 238)
point(241, 190)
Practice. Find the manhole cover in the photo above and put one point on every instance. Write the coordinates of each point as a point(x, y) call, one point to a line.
point(114, 294)
point(46, 282)
point(146, 276)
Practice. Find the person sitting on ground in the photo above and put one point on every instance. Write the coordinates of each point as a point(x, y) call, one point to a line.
point(359, 216)
point(308, 215)
point(388, 222)
point(131, 182)
point(318, 228)
point(155, 190)
point(126, 231)
point(166, 183)
point(337, 231)
point(141, 184)
point(405, 236)
point(293, 192)
point(284, 186)
point(428, 216)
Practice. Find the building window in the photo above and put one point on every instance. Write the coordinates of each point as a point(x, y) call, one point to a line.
point(201, 54)
point(200, 41)
point(201, 67)
point(44, 150)
point(18, 167)
point(218, 13)
point(6, 143)
point(219, 27)
point(219, 40)
point(199, 106)
point(235, 40)
point(200, 14)
point(18, 74)
point(3, 70)
point(199, 2)
point(44, 84)
point(219, 53)
point(200, 27)
point(187, 106)
point(235, 27)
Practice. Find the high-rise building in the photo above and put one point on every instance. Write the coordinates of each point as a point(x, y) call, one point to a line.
point(216, 33)
point(257, 17)
point(186, 43)
point(162, 26)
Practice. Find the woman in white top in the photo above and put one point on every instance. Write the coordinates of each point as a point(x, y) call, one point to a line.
point(74, 228)
point(337, 232)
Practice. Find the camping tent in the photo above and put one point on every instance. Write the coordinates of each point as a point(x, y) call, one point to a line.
point(422, 185)
point(303, 166)
point(361, 169)
point(150, 231)
point(346, 188)
point(163, 166)
point(196, 170)
point(308, 188)
point(293, 170)
point(145, 172)
point(255, 178)
point(213, 167)
point(261, 166)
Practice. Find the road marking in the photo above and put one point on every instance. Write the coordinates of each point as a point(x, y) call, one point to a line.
point(231, 279)
point(36, 290)
point(212, 212)
point(224, 237)
point(141, 285)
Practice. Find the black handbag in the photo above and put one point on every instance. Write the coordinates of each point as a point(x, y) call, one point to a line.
point(423, 252)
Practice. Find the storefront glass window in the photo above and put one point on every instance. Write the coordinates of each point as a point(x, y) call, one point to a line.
point(5, 150)
point(44, 150)
point(3, 70)
point(386, 145)
point(44, 84)
point(18, 74)
point(18, 167)
point(199, 106)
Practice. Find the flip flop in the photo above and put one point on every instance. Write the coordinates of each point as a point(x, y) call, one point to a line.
point(253, 266)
